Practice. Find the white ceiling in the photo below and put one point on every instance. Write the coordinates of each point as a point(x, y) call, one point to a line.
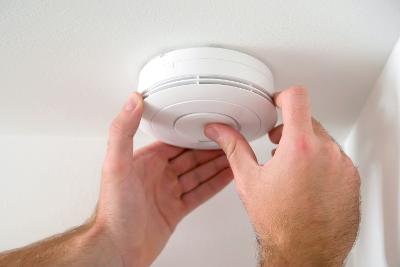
point(67, 66)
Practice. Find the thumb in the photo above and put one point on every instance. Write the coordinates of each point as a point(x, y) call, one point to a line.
point(238, 151)
point(124, 127)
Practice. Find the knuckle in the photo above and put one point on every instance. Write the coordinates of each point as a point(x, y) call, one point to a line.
point(348, 163)
point(332, 150)
point(116, 126)
point(113, 167)
point(231, 148)
point(304, 145)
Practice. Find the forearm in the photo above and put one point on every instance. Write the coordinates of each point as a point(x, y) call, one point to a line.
point(84, 246)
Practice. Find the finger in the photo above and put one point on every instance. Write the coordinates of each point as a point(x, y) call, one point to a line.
point(295, 106)
point(168, 151)
point(191, 159)
point(193, 178)
point(275, 134)
point(319, 130)
point(323, 133)
point(207, 189)
point(124, 126)
point(238, 151)
point(165, 150)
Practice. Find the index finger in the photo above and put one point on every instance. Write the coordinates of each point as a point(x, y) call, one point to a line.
point(296, 114)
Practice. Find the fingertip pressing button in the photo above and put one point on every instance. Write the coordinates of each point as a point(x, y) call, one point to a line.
point(192, 125)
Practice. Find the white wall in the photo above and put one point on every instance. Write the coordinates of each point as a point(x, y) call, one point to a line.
point(374, 145)
point(47, 185)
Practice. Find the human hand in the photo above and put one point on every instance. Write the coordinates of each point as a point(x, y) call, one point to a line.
point(304, 202)
point(144, 194)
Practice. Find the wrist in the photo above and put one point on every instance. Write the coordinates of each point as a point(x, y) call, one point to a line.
point(125, 253)
point(288, 255)
point(94, 242)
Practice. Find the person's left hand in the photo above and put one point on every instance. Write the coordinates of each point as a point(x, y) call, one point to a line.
point(144, 194)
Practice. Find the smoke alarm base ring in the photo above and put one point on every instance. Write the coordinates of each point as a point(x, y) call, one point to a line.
point(186, 89)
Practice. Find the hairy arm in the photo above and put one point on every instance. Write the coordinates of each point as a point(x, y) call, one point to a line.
point(144, 195)
point(86, 245)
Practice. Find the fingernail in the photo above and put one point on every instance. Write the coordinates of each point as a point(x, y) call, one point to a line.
point(131, 104)
point(211, 132)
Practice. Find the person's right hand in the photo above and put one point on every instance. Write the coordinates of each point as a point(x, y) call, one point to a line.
point(304, 202)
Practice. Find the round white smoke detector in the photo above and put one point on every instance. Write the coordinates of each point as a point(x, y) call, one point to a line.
point(186, 89)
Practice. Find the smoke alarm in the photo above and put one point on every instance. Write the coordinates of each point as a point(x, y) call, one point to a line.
point(186, 89)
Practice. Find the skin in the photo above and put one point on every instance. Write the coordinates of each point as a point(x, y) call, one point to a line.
point(303, 203)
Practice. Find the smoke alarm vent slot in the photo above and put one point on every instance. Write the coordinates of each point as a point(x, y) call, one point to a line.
point(229, 81)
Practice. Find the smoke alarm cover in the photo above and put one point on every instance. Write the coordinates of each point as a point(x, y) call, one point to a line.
point(186, 89)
